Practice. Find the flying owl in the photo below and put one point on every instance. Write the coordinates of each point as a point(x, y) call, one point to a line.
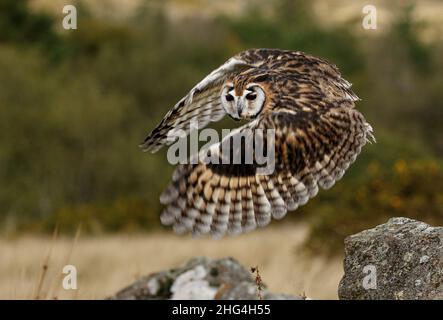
point(318, 134)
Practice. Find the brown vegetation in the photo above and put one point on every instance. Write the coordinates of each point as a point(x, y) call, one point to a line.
point(107, 264)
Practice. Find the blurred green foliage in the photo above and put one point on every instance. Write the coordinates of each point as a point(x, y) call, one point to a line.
point(75, 104)
point(403, 189)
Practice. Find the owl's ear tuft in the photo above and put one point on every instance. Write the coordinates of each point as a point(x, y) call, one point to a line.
point(263, 78)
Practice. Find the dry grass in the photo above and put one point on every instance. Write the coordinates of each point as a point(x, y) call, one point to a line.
point(106, 264)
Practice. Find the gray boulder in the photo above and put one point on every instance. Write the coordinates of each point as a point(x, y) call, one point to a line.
point(199, 278)
point(401, 259)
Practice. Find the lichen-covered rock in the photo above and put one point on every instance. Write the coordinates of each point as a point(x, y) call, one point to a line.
point(401, 259)
point(200, 278)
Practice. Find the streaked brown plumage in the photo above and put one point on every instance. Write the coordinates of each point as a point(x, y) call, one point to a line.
point(319, 134)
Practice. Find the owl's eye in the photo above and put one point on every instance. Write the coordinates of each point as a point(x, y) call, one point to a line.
point(229, 97)
point(251, 96)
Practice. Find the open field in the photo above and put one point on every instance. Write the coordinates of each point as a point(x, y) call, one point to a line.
point(106, 264)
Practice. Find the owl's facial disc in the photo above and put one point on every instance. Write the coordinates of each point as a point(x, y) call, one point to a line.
point(245, 106)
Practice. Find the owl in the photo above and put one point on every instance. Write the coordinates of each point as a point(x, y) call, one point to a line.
point(318, 134)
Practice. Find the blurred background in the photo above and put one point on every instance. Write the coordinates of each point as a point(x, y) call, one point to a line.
point(75, 104)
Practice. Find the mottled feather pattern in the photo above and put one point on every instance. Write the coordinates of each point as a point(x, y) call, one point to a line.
point(319, 133)
point(206, 107)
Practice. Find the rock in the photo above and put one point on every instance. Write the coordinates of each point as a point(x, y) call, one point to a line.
point(401, 259)
point(199, 278)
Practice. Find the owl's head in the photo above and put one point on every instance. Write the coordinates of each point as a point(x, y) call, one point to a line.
point(245, 103)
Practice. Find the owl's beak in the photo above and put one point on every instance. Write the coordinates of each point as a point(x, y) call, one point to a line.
point(239, 109)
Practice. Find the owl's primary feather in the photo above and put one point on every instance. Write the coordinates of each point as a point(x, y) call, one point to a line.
point(318, 134)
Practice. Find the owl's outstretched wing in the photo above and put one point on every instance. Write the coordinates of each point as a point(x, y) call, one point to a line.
point(202, 104)
point(312, 149)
